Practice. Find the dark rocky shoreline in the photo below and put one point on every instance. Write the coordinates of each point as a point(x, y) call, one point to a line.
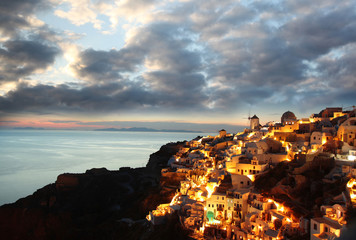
point(98, 204)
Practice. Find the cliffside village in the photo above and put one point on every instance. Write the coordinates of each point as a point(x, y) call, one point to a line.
point(293, 179)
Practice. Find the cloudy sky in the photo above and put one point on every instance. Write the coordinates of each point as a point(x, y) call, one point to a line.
point(173, 63)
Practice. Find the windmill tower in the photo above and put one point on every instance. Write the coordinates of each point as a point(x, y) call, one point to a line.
point(254, 122)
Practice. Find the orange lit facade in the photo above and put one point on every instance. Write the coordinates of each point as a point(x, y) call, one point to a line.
point(218, 192)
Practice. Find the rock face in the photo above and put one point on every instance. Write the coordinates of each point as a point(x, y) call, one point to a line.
point(98, 204)
point(301, 186)
point(158, 160)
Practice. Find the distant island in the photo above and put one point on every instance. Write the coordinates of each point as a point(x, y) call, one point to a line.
point(143, 129)
point(27, 128)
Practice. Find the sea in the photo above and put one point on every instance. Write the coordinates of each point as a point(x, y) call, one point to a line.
point(31, 159)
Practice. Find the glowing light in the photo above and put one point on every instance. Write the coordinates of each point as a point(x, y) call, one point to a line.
point(213, 221)
point(280, 207)
point(351, 182)
point(161, 210)
point(250, 135)
point(210, 188)
point(174, 199)
point(251, 177)
point(351, 185)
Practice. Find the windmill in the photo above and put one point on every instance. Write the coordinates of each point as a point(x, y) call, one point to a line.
point(249, 117)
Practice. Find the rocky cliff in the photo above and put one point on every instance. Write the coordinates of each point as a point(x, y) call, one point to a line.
point(98, 204)
point(302, 186)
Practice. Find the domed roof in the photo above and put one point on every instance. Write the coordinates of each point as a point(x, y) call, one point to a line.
point(288, 115)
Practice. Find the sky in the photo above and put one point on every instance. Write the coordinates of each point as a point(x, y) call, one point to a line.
point(173, 64)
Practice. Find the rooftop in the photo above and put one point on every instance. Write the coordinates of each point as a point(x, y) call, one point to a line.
point(332, 224)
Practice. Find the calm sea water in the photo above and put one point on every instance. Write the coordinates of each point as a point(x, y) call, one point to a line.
point(31, 159)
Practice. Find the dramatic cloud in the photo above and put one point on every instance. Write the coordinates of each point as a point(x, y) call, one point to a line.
point(17, 15)
point(130, 9)
point(98, 66)
point(21, 58)
point(178, 90)
point(167, 47)
point(44, 98)
point(27, 45)
point(81, 12)
point(203, 55)
point(319, 32)
point(10, 24)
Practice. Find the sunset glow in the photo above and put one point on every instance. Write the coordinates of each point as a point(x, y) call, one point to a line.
point(176, 64)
